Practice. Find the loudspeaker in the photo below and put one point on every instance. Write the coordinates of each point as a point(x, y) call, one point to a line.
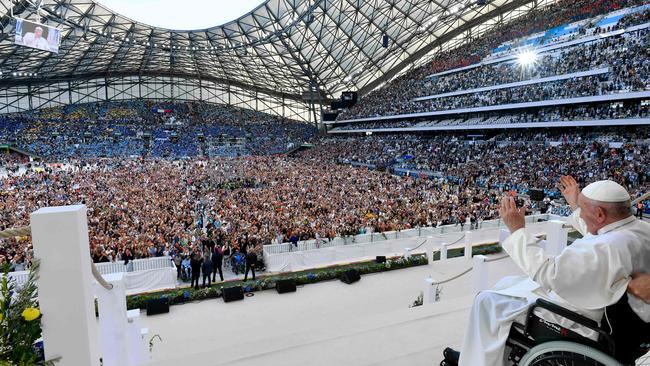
point(336, 105)
point(330, 116)
point(349, 96)
point(380, 259)
point(350, 276)
point(283, 286)
point(158, 306)
point(384, 41)
point(536, 195)
point(233, 294)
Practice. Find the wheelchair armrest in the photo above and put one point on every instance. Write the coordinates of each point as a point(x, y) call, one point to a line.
point(565, 313)
point(570, 315)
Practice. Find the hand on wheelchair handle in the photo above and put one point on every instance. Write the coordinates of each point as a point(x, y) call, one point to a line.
point(640, 286)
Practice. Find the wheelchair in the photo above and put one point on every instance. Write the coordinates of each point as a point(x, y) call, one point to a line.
point(238, 263)
point(622, 338)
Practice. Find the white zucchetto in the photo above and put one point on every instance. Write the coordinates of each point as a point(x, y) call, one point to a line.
point(606, 191)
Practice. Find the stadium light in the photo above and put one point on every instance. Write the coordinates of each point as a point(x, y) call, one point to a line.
point(527, 58)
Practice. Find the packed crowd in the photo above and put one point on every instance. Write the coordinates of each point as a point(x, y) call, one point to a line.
point(513, 160)
point(626, 55)
point(139, 208)
point(582, 57)
point(270, 135)
point(147, 128)
point(126, 160)
point(142, 208)
point(577, 112)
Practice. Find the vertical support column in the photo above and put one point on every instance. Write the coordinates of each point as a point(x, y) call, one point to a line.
point(139, 86)
point(60, 239)
point(70, 101)
point(106, 99)
point(112, 321)
point(479, 273)
point(429, 291)
point(468, 245)
point(556, 237)
point(443, 251)
point(137, 339)
point(30, 101)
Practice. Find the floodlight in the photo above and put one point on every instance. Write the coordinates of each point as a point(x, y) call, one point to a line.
point(527, 58)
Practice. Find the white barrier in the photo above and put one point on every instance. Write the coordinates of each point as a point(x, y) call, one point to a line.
point(299, 260)
point(392, 235)
point(286, 257)
point(556, 241)
point(150, 280)
point(479, 274)
point(112, 321)
point(149, 274)
point(144, 264)
point(20, 277)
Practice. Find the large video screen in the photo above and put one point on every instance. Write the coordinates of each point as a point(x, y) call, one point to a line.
point(37, 35)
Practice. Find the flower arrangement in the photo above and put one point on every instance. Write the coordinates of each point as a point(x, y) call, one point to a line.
point(20, 326)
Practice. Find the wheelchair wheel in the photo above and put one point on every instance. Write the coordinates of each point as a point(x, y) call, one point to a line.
point(562, 353)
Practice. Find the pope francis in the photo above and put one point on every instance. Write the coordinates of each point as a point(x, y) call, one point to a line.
point(586, 277)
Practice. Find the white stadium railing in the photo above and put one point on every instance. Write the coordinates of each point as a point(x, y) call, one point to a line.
point(105, 268)
point(138, 265)
point(391, 235)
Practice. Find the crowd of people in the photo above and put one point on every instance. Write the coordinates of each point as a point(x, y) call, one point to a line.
point(139, 208)
point(582, 57)
point(574, 112)
point(148, 128)
point(503, 162)
point(626, 56)
point(207, 184)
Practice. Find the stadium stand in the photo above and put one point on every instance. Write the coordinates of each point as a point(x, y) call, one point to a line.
point(139, 129)
point(618, 63)
point(221, 144)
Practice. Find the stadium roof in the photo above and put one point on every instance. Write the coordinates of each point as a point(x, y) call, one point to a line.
point(283, 47)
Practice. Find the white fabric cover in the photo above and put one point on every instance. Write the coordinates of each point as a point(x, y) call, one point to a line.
point(151, 280)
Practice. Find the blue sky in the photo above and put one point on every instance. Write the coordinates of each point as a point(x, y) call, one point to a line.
point(193, 14)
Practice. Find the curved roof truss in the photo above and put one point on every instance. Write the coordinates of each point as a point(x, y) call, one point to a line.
point(284, 47)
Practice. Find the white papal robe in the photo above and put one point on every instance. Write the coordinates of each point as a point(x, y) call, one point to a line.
point(587, 276)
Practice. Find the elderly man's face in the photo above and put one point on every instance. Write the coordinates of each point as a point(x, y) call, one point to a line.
point(38, 32)
point(593, 215)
